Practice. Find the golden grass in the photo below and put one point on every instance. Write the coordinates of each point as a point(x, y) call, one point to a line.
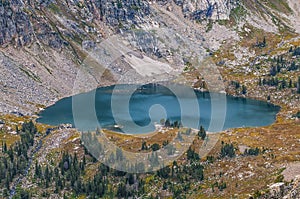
point(295, 43)
point(9, 139)
point(90, 171)
point(10, 118)
point(133, 143)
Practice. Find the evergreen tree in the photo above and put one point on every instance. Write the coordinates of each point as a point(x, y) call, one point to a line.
point(227, 150)
point(283, 84)
point(244, 90)
point(264, 42)
point(290, 83)
point(296, 51)
point(273, 71)
point(192, 155)
point(198, 172)
point(259, 82)
point(155, 147)
point(252, 151)
point(144, 146)
point(130, 179)
point(4, 147)
point(202, 133)
point(167, 123)
point(37, 170)
point(164, 172)
point(121, 191)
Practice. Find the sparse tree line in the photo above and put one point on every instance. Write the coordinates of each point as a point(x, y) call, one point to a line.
point(279, 64)
point(168, 123)
point(229, 151)
point(70, 176)
point(295, 51)
point(282, 83)
point(14, 160)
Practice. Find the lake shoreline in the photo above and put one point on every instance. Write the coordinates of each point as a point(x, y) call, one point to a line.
point(252, 104)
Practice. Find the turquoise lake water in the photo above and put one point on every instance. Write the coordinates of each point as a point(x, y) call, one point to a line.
point(135, 109)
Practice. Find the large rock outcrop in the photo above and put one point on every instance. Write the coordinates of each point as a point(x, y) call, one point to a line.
point(207, 9)
point(284, 190)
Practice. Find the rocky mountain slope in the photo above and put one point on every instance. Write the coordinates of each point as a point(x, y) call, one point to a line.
point(44, 43)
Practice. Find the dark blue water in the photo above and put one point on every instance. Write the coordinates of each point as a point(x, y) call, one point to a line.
point(149, 104)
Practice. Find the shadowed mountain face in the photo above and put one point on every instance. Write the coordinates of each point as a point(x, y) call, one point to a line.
point(43, 42)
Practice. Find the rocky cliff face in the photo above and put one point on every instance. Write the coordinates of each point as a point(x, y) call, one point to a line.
point(43, 42)
point(203, 9)
point(23, 22)
point(15, 25)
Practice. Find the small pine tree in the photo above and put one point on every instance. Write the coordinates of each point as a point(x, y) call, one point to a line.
point(259, 82)
point(244, 90)
point(202, 133)
point(290, 83)
point(4, 147)
point(167, 123)
point(283, 84)
point(264, 42)
point(273, 71)
point(155, 147)
point(192, 155)
point(144, 146)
